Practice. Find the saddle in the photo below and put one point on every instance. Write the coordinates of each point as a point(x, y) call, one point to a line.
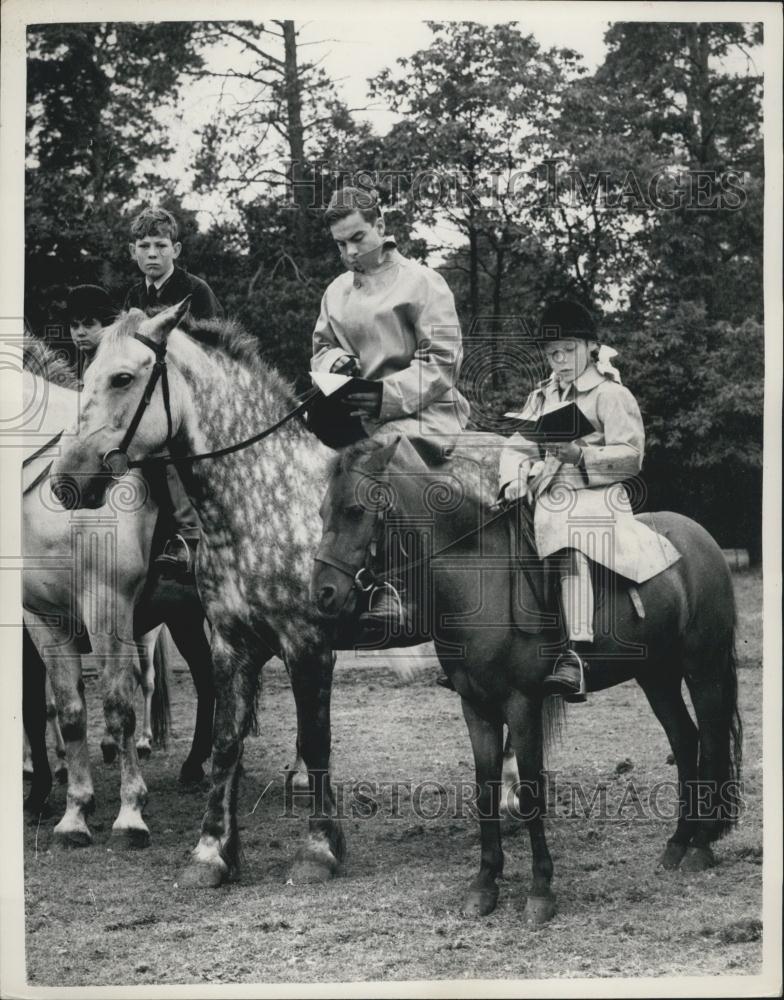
point(535, 597)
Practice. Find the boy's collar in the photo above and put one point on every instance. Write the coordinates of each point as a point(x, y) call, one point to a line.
point(159, 282)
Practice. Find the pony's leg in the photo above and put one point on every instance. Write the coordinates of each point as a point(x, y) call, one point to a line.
point(487, 743)
point(524, 718)
point(64, 667)
point(34, 720)
point(60, 768)
point(297, 780)
point(147, 683)
point(311, 681)
point(237, 661)
point(119, 658)
point(189, 638)
point(665, 698)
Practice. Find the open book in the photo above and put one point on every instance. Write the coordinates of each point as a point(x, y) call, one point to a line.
point(565, 423)
point(329, 418)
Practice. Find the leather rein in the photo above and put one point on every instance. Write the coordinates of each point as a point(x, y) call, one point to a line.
point(116, 461)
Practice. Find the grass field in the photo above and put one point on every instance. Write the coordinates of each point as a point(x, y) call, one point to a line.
point(95, 916)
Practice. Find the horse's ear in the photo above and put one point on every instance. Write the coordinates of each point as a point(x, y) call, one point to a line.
point(159, 326)
point(378, 459)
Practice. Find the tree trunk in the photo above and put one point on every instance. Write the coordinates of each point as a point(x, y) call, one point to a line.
point(295, 132)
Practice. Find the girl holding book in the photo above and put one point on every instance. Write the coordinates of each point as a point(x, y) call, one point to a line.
point(581, 510)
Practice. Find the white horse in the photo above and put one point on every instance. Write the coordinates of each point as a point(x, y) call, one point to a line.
point(83, 575)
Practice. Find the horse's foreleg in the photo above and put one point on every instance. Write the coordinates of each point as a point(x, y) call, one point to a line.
point(487, 743)
point(524, 718)
point(311, 681)
point(187, 631)
point(64, 667)
point(236, 666)
point(34, 719)
point(665, 698)
point(60, 768)
point(118, 657)
point(146, 680)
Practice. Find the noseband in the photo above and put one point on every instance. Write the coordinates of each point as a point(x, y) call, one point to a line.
point(116, 461)
point(364, 578)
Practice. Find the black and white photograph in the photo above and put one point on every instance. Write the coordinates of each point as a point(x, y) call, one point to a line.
point(391, 499)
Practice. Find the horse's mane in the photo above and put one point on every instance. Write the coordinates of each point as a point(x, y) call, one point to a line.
point(40, 359)
point(476, 451)
point(222, 336)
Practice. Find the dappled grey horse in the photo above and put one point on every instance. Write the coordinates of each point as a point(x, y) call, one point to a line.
point(259, 512)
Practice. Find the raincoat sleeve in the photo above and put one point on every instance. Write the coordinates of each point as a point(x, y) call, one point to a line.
point(436, 360)
point(326, 346)
point(620, 457)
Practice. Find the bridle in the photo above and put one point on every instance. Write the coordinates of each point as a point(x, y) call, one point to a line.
point(366, 577)
point(116, 463)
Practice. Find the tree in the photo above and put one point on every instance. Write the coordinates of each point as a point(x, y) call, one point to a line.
point(94, 143)
point(700, 124)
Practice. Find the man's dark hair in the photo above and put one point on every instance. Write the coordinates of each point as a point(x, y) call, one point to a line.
point(348, 200)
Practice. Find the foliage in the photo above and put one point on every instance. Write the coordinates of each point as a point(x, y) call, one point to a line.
point(526, 175)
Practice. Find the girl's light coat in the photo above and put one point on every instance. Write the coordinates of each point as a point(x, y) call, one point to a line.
point(590, 510)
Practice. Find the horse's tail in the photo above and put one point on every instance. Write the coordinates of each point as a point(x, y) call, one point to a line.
point(160, 710)
point(729, 783)
point(553, 716)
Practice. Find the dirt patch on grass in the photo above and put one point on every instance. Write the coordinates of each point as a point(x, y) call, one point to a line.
point(96, 916)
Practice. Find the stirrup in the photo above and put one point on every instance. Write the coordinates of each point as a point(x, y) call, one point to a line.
point(555, 685)
point(387, 592)
point(171, 564)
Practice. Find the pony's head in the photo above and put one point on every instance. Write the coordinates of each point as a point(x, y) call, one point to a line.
point(363, 489)
point(116, 385)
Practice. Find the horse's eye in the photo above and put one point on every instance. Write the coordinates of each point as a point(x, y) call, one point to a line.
point(120, 380)
point(355, 511)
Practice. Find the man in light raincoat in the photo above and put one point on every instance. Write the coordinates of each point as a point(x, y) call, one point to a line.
point(393, 321)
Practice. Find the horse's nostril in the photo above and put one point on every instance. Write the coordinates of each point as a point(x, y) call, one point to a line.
point(66, 492)
point(326, 598)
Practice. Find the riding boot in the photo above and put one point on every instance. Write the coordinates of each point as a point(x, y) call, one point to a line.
point(568, 676)
point(385, 610)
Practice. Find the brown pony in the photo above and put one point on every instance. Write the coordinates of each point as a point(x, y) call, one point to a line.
point(496, 642)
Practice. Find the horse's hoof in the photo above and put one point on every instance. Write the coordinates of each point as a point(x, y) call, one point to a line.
point(539, 909)
point(109, 751)
point(203, 875)
point(312, 871)
point(698, 859)
point(672, 856)
point(143, 751)
point(300, 783)
point(37, 809)
point(480, 902)
point(130, 838)
point(61, 775)
point(72, 838)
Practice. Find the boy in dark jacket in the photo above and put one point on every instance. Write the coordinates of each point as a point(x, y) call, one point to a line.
point(154, 247)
